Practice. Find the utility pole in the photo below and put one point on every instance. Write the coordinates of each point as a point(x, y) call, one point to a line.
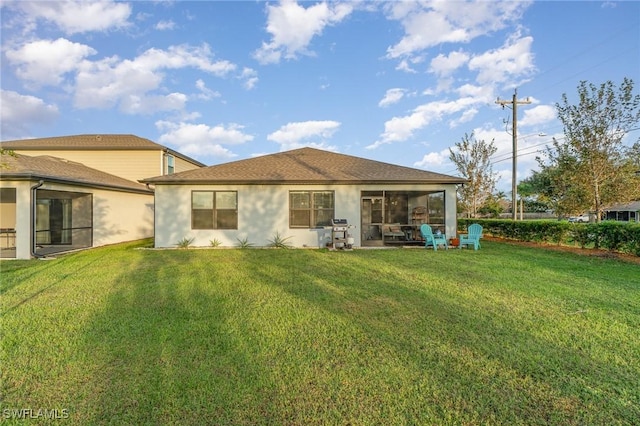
point(514, 187)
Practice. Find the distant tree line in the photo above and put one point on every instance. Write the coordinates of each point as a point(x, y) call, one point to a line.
point(587, 170)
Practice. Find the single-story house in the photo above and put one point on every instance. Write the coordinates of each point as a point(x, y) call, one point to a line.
point(295, 195)
point(128, 156)
point(50, 205)
point(626, 212)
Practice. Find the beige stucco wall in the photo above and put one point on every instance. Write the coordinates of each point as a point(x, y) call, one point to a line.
point(132, 165)
point(117, 216)
point(263, 210)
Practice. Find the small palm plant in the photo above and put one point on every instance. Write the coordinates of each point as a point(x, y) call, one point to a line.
point(215, 242)
point(185, 243)
point(244, 243)
point(279, 241)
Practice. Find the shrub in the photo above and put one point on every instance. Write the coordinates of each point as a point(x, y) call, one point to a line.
point(244, 243)
point(279, 241)
point(185, 243)
point(614, 236)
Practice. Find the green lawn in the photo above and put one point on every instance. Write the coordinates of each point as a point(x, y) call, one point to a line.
point(505, 335)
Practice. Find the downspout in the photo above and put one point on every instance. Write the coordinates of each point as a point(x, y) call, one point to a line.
point(34, 188)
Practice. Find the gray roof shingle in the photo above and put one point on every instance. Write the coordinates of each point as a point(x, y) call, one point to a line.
point(44, 167)
point(305, 165)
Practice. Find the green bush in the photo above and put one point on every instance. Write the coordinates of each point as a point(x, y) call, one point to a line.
point(621, 237)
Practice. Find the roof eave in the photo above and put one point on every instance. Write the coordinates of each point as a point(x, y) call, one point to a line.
point(164, 181)
point(55, 179)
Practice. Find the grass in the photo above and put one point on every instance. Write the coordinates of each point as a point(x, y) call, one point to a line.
point(504, 335)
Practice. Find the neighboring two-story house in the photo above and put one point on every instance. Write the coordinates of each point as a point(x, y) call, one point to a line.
point(71, 192)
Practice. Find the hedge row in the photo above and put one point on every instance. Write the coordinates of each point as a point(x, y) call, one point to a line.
point(623, 237)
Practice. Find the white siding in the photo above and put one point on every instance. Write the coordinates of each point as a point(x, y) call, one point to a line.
point(263, 211)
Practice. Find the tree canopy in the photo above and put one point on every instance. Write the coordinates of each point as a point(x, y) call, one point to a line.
point(472, 158)
point(591, 168)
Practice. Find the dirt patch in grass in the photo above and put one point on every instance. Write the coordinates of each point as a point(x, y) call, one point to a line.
point(605, 254)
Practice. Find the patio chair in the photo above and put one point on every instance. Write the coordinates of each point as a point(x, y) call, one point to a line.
point(473, 235)
point(394, 231)
point(431, 239)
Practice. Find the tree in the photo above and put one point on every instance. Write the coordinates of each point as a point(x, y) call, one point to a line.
point(590, 168)
point(472, 159)
point(493, 206)
point(4, 152)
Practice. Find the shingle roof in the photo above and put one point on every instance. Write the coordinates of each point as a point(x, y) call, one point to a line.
point(90, 143)
point(53, 169)
point(305, 165)
point(631, 206)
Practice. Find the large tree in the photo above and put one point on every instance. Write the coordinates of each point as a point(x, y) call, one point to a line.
point(590, 168)
point(472, 158)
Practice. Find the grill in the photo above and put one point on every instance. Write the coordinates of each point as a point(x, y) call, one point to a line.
point(341, 239)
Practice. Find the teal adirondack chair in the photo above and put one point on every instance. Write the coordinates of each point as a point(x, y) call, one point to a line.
point(432, 240)
point(473, 235)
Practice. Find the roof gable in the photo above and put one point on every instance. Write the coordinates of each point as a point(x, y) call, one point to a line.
point(305, 165)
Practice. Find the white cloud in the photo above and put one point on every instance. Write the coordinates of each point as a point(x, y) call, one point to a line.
point(433, 23)
point(165, 25)
point(201, 139)
point(205, 93)
point(404, 66)
point(292, 27)
point(433, 160)
point(250, 78)
point(111, 81)
point(306, 133)
point(399, 129)
point(513, 60)
point(445, 65)
point(19, 112)
point(73, 16)
point(391, 97)
point(466, 116)
point(144, 104)
point(539, 114)
point(45, 62)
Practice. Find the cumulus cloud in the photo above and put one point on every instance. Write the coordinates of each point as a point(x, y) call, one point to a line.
point(45, 62)
point(165, 25)
point(513, 59)
point(111, 81)
point(205, 93)
point(399, 129)
point(306, 133)
point(539, 114)
point(250, 78)
point(433, 160)
point(433, 23)
point(19, 112)
point(73, 16)
point(391, 97)
point(292, 27)
point(202, 139)
point(444, 65)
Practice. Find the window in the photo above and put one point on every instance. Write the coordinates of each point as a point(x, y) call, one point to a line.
point(171, 164)
point(310, 209)
point(214, 210)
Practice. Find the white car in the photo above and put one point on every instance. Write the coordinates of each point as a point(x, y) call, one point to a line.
point(580, 218)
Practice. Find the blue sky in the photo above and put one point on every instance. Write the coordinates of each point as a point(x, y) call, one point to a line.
point(399, 82)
